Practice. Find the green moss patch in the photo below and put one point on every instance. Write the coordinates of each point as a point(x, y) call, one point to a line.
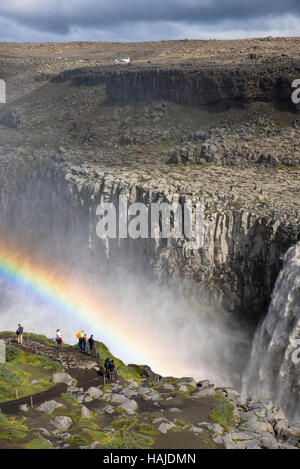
point(12, 434)
point(39, 443)
point(12, 428)
point(123, 423)
point(90, 424)
point(130, 372)
point(78, 440)
point(146, 428)
point(69, 398)
point(125, 440)
point(182, 423)
point(223, 414)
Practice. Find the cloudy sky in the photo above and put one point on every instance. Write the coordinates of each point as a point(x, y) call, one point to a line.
point(144, 20)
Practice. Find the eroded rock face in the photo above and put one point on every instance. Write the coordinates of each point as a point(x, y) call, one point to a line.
point(237, 265)
point(238, 146)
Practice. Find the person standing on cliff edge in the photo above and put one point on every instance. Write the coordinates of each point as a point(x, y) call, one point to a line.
point(20, 332)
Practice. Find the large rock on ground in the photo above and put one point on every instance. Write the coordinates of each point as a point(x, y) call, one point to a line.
point(190, 382)
point(85, 413)
point(118, 399)
point(206, 392)
point(62, 378)
point(168, 387)
point(49, 406)
point(294, 430)
point(94, 393)
point(165, 427)
point(128, 405)
point(62, 422)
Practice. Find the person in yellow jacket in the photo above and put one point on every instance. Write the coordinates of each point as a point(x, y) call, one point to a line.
point(79, 336)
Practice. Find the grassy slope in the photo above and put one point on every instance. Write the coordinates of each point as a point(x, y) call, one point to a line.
point(21, 369)
point(126, 372)
point(119, 431)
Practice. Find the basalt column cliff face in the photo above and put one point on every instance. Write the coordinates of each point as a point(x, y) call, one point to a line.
point(205, 86)
point(50, 203)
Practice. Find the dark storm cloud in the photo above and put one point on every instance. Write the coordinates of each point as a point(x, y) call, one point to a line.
point(60, 17)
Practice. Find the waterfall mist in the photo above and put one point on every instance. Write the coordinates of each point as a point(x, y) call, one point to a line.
point(185, 340)
point(53, 227)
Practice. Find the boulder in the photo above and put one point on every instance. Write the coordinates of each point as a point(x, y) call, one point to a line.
point(132, 383)
point(230, 444)
point(187, 382)
point(85, 413)
point(218, 440)
point(168, 387)
point(294, 430)
point(63, 378)
point(206, 392)
point(44, 431)
point(265, 427)
point(281, 426)
point(23, 407)
point(118, 399)
point(154, 396)
point(277, 414)
point(165, 427)
point(253, 444)
point(48, 407)
point(109, 409)
point(142, 391)
point(196, 430)
point(241, 436)
point(130, 392)
point(269, 442)
point(183, 388)
point(203, 384)
point(216, 429)
point(159, 419)
point(130, 406)
point(62, 422)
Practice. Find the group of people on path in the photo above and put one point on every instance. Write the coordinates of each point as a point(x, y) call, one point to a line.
point(83, 341)
point(109, 366)
point(81, 336)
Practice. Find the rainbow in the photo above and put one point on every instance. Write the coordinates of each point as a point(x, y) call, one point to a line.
point(75, 300)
